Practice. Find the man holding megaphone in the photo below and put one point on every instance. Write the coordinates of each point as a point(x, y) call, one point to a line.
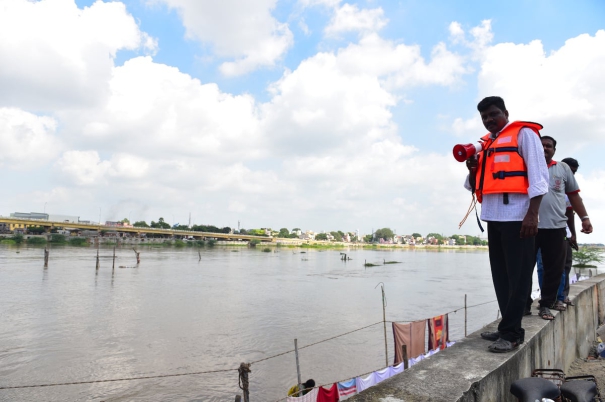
point(509, 177)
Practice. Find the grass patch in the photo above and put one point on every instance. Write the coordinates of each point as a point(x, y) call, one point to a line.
point(179, 243)
point(56, 238)
point(254, 242)
point(8, 241)
point(392, 262)
point(584, 266)
point(369, 264)
point(36, 240)
point(78, 241)
point(266, 250)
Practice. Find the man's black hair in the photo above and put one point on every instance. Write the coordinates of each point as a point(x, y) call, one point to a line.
point(491, 101)
point(571, 162)
point(554, 142)
point(309, 383)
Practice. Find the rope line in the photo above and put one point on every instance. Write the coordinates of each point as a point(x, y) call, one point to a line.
point(316, 343)
point(449, 312)
point(118, 379)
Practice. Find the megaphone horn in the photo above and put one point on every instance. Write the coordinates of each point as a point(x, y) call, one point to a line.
point(464, 151)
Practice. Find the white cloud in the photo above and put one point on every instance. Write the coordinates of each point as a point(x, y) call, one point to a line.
point(243, 30)
point(563, 90)
point(28, 141)
point(349, 17)
point(402, 65)
point(60, 55)
point(83, 168)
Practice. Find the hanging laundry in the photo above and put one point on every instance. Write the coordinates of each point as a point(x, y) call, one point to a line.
point(449, 344)
point(347, 388)
point(438, 332)
point(310, 397)
point(383, 374)
point(410, 334)
point(396, 369)
point(365, 383)
point(328, 395)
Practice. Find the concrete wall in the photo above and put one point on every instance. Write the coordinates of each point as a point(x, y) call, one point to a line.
point(469, 372)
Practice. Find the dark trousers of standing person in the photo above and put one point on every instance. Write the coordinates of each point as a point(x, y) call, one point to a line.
point(552, 243)
point(512, 261)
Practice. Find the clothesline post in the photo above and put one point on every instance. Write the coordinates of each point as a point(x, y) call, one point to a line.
point(297, 366)
point(404, 356)
point(465, 315)
point(384, 323)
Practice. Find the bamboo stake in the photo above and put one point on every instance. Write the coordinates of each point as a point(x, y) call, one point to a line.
point(297, 367)
point(465, 315)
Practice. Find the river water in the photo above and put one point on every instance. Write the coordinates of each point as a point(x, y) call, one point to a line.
point(176, 314)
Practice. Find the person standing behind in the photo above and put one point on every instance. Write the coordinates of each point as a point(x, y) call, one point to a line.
point(551, 237)
point(572, 242)
point(510, 180)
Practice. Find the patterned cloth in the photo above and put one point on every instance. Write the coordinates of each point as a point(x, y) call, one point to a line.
point(438, 332)
point(347, 388)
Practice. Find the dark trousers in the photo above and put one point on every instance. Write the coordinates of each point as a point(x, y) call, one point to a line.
point(512, 260)
point(553, 245)
point(568, 262)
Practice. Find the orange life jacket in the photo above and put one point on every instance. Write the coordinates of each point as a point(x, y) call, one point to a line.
point(501, 167)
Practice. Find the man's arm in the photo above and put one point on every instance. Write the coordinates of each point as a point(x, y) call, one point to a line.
point(532, 152)
point(578, 206)
point(529, 226)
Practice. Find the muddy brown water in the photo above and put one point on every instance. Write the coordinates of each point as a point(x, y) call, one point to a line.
point(174, 314)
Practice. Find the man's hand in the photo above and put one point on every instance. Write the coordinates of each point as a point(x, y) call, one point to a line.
point(472, 163)
point(586, 226)
point(529, 226)
point(573, 242)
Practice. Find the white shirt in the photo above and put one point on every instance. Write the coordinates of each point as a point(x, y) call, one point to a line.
point(493, 207)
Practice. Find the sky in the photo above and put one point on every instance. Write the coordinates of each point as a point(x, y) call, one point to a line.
point(314, 114)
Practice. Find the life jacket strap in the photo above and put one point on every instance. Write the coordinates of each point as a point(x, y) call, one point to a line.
point(503, 175)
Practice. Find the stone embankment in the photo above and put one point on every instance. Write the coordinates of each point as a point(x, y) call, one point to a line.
point(468, 372)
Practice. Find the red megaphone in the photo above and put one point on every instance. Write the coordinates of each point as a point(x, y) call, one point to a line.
point(464, 151)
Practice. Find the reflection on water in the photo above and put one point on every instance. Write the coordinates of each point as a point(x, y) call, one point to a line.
point(176, 314)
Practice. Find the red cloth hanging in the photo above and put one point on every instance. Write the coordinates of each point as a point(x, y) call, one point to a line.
point(328, 395)
point(438, 332)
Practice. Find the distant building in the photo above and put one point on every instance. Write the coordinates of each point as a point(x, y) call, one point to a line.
point(30, 215)
point(64, 218)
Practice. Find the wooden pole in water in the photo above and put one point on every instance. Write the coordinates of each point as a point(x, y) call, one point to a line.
point(465, 315)
point(404, 356)
point(114, 258)
point(46, 253)
point(98, 264)
point(297, 366)
point(199, 253)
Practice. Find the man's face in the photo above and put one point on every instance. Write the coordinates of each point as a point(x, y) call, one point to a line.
point(494, 119)
point(549, 149)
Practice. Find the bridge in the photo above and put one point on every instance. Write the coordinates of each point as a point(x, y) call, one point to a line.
point(24, 223)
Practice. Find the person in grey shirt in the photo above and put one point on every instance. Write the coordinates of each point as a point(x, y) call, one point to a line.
point(552, 235)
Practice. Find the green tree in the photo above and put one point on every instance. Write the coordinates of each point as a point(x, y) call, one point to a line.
point(337, 235)
point(435, 235)
point(182, 227)
point(160, 224)
point(416, 235)
point(36, 229)
point(126, 220)
point(585, 255)
point(141, 224)
point(283, 232)
point(321, 236)
point(384, 233)
point(368, 238)
point(458, 239)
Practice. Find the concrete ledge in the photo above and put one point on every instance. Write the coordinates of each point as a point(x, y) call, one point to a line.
point(468, 372)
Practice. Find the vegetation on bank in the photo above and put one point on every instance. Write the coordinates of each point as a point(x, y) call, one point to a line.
point(587, 255)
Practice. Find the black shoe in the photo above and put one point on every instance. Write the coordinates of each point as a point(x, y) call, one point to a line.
point(490, 336)
point(494, 336)
point(503, 346)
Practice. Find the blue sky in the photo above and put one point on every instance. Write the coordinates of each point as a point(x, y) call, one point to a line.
point(319, 114)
